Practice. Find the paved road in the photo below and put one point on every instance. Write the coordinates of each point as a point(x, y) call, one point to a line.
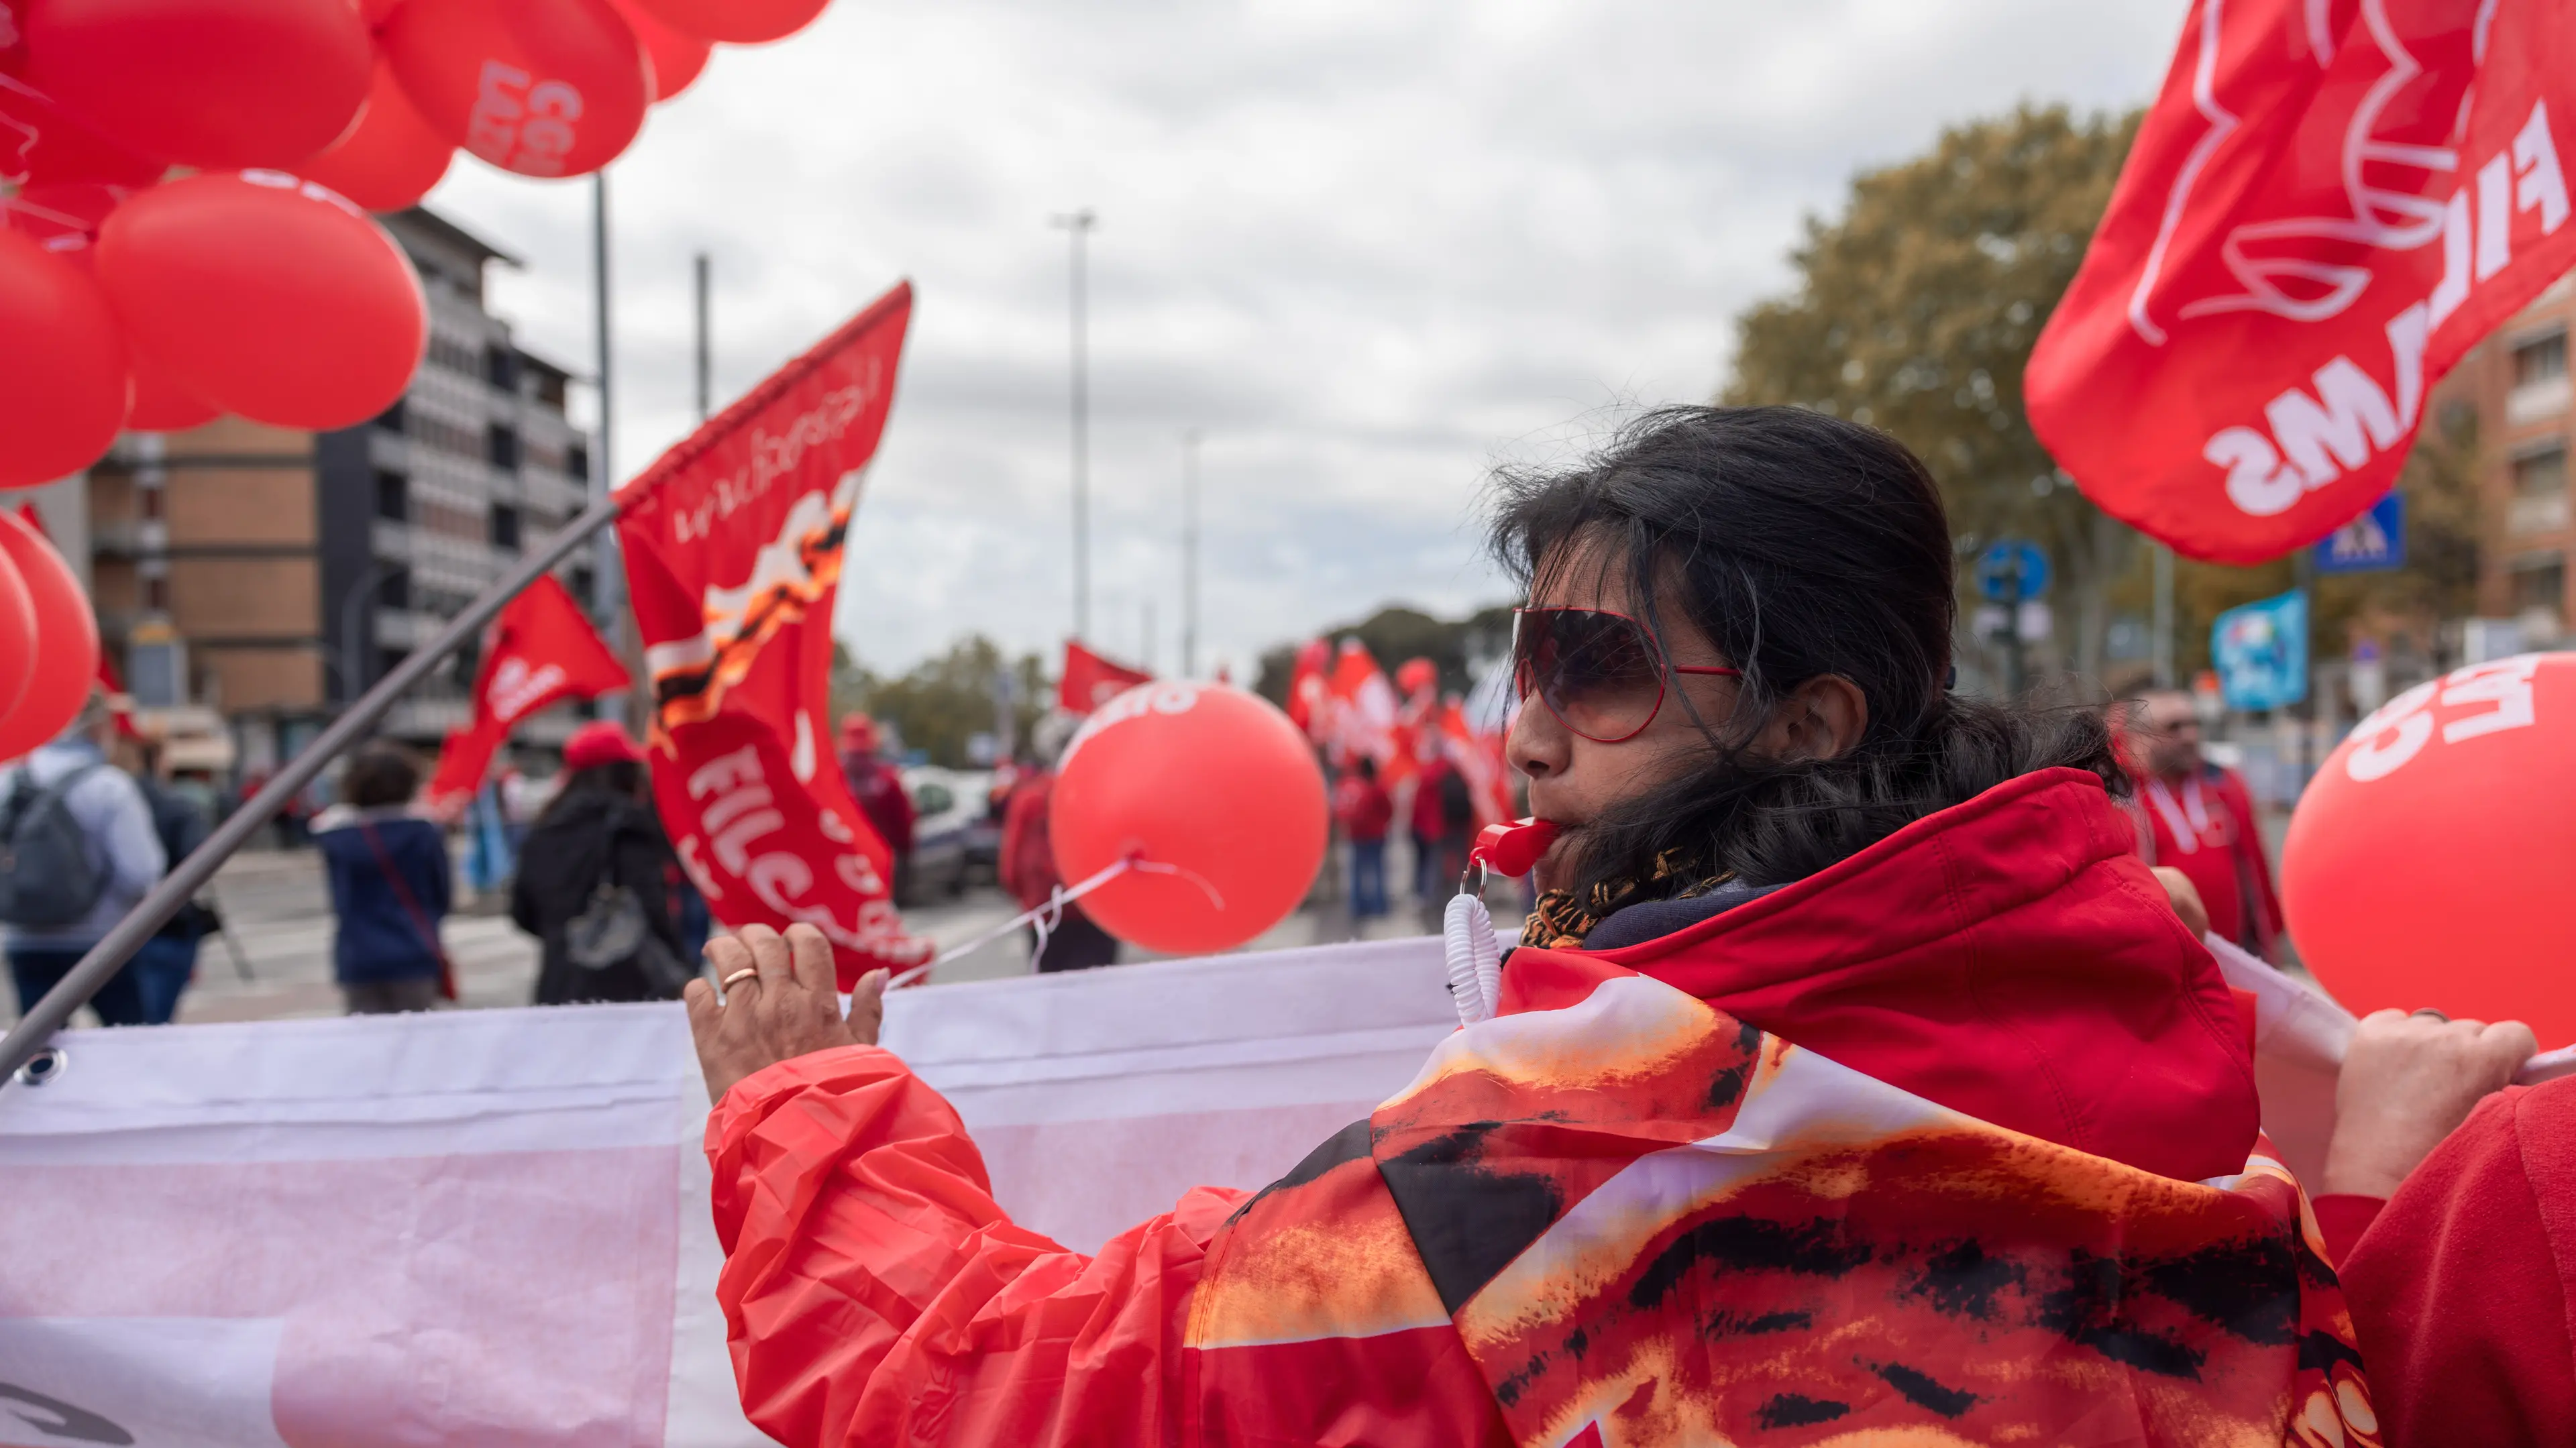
point(280, 920)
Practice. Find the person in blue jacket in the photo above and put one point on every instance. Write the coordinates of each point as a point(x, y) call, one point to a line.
point(389, 887)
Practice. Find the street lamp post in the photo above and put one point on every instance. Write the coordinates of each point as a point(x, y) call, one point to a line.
point(1190, 554)
point(1079, 224)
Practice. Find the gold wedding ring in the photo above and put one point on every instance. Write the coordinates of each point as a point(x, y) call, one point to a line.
point(738, 977)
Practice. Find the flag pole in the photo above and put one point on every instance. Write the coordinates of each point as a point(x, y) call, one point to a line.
point(177, 888)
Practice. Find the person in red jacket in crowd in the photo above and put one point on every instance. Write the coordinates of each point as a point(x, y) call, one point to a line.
point(1853, 1079)
point(1366, 813)
point(877, 786)
point(2195, 817)
point(1027, 866)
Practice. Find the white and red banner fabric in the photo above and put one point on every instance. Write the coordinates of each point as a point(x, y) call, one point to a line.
point(733, 544)
point(492, 1227)
point(2330, 202)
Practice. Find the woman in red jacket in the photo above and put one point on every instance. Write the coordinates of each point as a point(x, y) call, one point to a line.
point(1853, 1077)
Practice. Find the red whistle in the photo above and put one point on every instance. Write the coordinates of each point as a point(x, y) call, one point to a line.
point(1513, 849)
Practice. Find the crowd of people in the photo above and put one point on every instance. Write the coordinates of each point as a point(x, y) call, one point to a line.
point(1772, 805)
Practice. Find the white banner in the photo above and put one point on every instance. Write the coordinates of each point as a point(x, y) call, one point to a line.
point(491, 1227)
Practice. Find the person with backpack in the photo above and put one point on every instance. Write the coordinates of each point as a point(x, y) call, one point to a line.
point(390, 884)
point(166, 963)
point(77, 850)
point(598, 882)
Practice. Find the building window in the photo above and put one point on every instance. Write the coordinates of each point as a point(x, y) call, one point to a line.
point(2540, 598)
point(2543, 359)
point(395, 591)
point(391, 419)
point(501, 447)
point(577, 461)
point(505, 527)
point(156, 594)
point(2539, 491)
point(501, 367)
point(393, 496)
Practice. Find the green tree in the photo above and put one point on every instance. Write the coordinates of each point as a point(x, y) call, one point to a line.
point(942, 702)
point(1916, 309)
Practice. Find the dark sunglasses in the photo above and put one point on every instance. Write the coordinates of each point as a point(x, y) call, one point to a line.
point(1600, 673)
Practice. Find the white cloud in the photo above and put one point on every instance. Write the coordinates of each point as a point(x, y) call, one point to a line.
point(1368, 248)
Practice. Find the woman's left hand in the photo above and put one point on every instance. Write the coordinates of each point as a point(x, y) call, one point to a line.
point(788, 1006)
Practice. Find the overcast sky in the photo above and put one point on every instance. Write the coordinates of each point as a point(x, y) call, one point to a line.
point(1369, 248)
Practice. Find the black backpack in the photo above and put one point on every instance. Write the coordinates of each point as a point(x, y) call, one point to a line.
point(47, 878)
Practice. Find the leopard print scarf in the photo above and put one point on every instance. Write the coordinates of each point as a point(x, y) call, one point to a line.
point(1561, 921)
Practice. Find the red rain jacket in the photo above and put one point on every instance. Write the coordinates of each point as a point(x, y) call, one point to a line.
point(2010, 958)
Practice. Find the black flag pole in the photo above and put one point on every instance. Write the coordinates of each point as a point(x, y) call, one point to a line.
point(188, 876)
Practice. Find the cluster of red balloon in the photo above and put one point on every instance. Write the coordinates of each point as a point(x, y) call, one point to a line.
point(258, 286)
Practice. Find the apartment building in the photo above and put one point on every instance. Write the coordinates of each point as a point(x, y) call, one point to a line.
point(2518, 381)
point(271, 575)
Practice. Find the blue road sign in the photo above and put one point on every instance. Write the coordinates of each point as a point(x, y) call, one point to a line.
point(2012, 571)
point(2368, 544)
point(2261, 652)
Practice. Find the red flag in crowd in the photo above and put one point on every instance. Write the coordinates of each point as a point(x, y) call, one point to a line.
point(1090, 681)
point(541, 651)
point(1308, 707)
point(2329, 204)
point(733, 554)
point(1478, 758)
point(1362, 708)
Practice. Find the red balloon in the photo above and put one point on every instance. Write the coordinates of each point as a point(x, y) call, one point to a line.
point(739, 22)
point(1213, 791)
point(63, 216)
point(40, 144)
point(62, 373)
point(378, 11)
point(209, 83)
point(161, 405)
point(2428, 862)
point(266, 296)
point(540, 87)
point(64, 663)
point(17, 636)
point(390, 158)
point(677, 58)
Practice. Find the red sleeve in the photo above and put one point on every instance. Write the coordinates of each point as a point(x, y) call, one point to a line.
point(2460, 1290)
point(874, 1293)
point(2342, 1216)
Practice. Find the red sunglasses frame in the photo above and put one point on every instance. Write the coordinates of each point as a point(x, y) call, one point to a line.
point(1665, 669)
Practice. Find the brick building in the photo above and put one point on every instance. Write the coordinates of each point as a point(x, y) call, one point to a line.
point(269, 575)
point(2518, 381)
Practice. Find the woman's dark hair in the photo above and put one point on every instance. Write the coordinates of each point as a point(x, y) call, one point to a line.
point(380, 775)
point(1801, 545)
point(623, 778)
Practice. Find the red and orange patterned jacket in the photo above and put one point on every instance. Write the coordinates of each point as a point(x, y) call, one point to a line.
point(1617, 1214)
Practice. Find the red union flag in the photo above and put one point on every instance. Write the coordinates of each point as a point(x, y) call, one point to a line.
point(733, 554)
point(2330, 203)
point(1090, 681)
point(542, 650)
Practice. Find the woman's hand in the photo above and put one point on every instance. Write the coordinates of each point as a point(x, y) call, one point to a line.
point(2406, 1082)
point(787, 1007)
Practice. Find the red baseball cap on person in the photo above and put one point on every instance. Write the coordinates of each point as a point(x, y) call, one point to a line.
point(599, 743)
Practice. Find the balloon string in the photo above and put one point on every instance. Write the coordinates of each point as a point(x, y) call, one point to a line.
point(1044, 917)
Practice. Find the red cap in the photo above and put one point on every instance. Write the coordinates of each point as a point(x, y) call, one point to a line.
point(603, 742)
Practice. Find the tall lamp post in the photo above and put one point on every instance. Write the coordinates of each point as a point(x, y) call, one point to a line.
point(706, 339)
point(1079, 224)
point(1190, 554)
